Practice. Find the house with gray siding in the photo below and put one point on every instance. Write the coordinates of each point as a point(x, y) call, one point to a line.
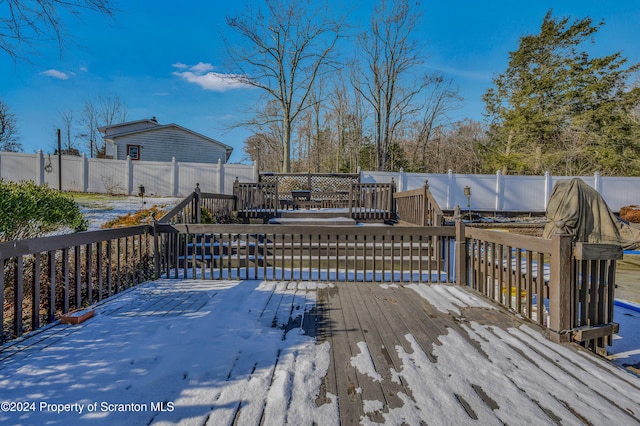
point(148, 140)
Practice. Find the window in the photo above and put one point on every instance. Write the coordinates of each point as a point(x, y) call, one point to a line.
point(133, 151)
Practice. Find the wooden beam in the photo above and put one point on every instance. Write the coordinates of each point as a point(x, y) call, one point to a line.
point(582, 334)
point(590, 251)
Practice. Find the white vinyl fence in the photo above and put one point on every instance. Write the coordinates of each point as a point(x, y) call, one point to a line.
point(505, 192)
point(488, 192)
point(81, 174)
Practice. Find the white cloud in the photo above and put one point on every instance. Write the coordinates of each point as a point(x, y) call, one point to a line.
point(56, 74)
point(202, 68)
point(202, 75)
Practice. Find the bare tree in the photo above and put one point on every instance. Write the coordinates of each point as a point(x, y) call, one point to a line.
point(385, 77)
point(462, 145)
point(313, 130)
point(347, 118)
point(264, 147)
point(9, 138)
point(285, 49)
point(68, 133)
point(102, 111)
point(441, 98)
point(26, 24)
point(264, 150)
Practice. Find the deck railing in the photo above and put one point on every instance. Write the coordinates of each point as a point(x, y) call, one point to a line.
point(364, 201)
point(189, 210)
point(256, 200)
point(568, 288)
point(418, 207)
point(47, 277)
point(372, 201)
point(346, 253)
point(186, 211)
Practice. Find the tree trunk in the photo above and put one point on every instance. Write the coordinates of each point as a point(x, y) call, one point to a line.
point(286, 146)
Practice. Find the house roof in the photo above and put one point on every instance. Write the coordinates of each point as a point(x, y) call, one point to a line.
point(149, 125)
point(127, 126)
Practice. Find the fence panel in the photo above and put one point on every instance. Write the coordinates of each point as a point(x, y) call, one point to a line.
point(107, 176)
point(521, 193)
point(122, 176)
point(232, 172)
point(190, 174)
point(438, 184)
point(483, 191)
point(73, 173)
point(17, 166)
point(155, 176)
point(620, 191)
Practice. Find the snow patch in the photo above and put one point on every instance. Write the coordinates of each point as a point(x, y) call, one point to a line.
point(364, 363)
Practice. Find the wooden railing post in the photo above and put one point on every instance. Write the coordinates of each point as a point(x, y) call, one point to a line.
point(156, 248)
point(461, 255)
point(351, 200)
point(560, 286)
point(424, 214)
point(198, 203)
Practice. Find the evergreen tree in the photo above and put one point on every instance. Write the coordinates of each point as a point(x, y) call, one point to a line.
point(557, 109)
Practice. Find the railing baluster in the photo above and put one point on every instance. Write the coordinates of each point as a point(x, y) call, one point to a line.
point(18, 296)
point(35, 306)
point(89, 272)
point(51, 258)
point(78, 276)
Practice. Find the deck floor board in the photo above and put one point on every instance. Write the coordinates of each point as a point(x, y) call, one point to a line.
point(251, 352)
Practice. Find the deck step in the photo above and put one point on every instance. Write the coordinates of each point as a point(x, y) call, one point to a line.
point(316, 214)
point(304, 220)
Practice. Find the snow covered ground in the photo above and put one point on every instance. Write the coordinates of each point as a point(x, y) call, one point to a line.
point(106, 208)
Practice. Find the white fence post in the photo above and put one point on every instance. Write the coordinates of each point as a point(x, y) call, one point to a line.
point(499, 191)
point(256, 173)
point(40, 167)
point(450, 182)
point(548, 188)
point(129, 176)
point(597, 182)
point(220, 188)
point(174, 177)
point(85, 173)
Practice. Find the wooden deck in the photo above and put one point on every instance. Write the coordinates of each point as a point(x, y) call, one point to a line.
point(250, 352)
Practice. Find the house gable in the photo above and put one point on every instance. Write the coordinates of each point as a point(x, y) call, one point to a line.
point(147, 140)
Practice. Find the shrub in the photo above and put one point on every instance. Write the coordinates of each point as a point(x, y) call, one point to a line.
point(630, 214)
point(28, 210)
point(205, 216)
point(137, 218)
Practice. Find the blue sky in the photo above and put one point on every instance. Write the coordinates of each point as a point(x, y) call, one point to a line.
point(161, 57)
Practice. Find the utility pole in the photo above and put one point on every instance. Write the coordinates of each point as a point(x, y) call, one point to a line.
point(59, 163)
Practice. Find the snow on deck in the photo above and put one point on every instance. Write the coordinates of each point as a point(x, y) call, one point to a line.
point(252, 352)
